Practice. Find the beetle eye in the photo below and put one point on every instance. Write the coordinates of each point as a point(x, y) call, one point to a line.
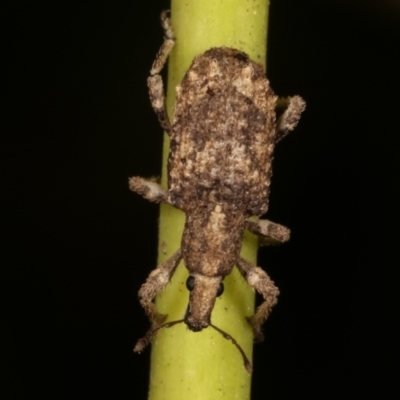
point(190, 283)
point(220, 289)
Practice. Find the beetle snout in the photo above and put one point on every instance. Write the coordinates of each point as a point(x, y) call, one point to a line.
point(196, 327)
point(203, 292)
point(194, 324)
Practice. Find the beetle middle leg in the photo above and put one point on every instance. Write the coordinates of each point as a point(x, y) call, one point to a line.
point(149, 189)
point(270, 232)
point(262, 283)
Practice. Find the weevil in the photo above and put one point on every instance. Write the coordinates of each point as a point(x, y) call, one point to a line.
point(223, 132)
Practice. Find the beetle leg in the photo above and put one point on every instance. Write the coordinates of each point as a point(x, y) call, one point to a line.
point(269, 232)
point(262, 283)
point(156, 281)
point(288, 120)
point(149, 189)
point(154, 81)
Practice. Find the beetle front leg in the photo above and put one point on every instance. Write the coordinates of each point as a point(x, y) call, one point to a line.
point(156, 281)
point(270, 232)
point(262, 283)
point(154, 82)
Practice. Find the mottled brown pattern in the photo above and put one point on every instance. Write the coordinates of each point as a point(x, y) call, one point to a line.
point(223, 132)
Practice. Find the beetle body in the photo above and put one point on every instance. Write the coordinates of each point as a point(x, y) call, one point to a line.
point(223, 132)
point(222, 138)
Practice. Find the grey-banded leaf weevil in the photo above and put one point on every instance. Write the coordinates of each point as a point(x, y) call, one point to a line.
point(223, 132)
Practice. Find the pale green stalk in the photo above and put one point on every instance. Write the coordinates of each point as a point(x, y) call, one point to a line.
point(184, 364)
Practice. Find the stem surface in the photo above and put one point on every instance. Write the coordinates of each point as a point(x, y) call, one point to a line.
point(204, 365)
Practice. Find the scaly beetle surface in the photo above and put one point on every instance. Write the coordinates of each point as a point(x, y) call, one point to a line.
point(223, 132)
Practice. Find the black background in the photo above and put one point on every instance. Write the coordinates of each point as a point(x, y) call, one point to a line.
point(78, 245)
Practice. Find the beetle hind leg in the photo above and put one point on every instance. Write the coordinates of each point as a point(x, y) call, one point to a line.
point(293, 107)
point(154, 81)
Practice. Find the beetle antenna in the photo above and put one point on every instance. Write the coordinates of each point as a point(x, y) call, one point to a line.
point(146, 340)
point(246, 361)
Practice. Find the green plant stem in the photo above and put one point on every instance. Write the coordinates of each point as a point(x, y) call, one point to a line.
point(204, 365)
